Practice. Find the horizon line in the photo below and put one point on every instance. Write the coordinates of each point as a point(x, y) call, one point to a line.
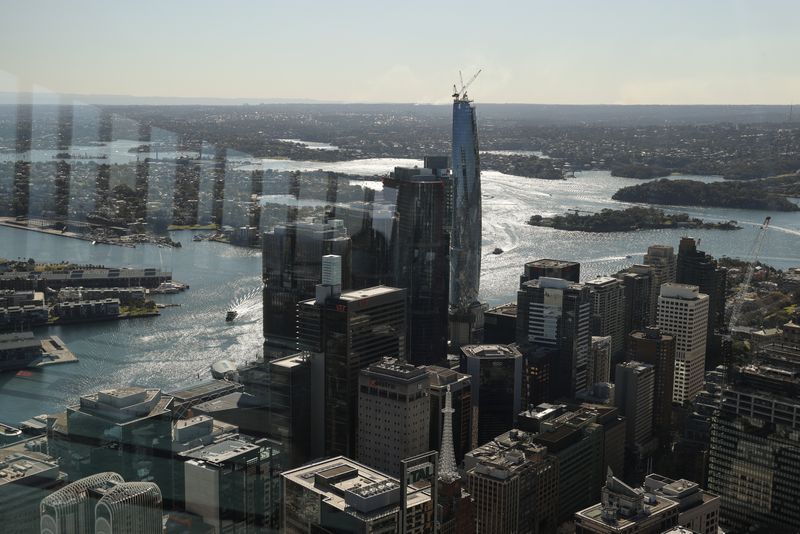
point(233, 101)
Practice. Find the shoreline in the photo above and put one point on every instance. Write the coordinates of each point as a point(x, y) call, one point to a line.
point(8, 223)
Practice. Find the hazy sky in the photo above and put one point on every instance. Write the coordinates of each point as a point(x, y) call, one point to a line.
point(569, 51)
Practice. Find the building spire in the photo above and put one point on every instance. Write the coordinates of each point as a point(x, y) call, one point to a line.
point(447, 458)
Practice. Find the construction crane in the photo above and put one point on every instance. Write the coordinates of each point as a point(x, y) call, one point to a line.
point(755, 251)
point(738, 299)
point(461, 94)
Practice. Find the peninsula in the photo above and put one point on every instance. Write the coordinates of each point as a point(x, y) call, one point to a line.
point(767, 194)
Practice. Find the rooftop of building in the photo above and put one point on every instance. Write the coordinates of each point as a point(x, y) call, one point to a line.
point(16, 340)
point(603, 281)
point(124, 405)
point(204, 389)
point(17, 465)
point(396, 368)
point(654, 504)
point(333, 478)
point(651, 333)
point(440, 377)
point(547, 282)
point(291, 361)
point(660, 249)
point(491, 351)
point(223, 451)
point(637, 367)
point(368, 293)
point(508, 309)
point(560, 432)
point(681, 291)
point(231, 401)
point(544, 411)
point(550, 263)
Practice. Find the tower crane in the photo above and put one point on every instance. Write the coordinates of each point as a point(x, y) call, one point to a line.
point(738, 299)
point(755, 251)
point(461, 94)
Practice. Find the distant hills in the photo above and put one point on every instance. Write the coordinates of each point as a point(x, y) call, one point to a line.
point(613, 115)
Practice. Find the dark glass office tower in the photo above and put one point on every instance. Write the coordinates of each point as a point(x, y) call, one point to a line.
point(292, 267)
point(423, 266)
point(554, 320)
point(641, 295)
point(352, 330)
point(496, 372)
point(465, 241)
point(652, 347)
point(697, 268)
point(568, 270)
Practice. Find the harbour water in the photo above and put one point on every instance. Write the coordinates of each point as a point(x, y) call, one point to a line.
point(173, 350)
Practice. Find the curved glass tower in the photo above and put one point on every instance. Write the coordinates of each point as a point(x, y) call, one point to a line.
point(465, 244)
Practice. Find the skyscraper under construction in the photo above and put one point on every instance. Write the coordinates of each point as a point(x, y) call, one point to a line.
point(466, 315)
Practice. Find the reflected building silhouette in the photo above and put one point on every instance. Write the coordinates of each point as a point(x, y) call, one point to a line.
point(373, 227)
point(423, 262)
point(291, 269)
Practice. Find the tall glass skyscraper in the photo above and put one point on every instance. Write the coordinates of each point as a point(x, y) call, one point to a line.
point(465, 255)
point(465, 242)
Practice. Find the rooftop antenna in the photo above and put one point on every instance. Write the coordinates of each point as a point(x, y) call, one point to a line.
point(461, 94)
point(447, 460)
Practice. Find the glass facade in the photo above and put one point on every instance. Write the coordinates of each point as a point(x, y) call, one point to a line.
point(465, 241)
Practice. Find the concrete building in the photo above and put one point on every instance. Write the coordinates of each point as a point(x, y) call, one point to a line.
point(23, 317)
point(127, 296)
point(460, 384)
point(608, 313)
point(496, 377)
point(350, 330)
point(683, 314)
point(698, 510)
point(624, 509)
point(18, 349)
point(514, 483)
point(577, 442)
point(26, 477)
point(340, 495)
point(99, 277)
point(86, 309)
point(663, 259)
point(233, 485)
point(657, 349)
point(599, 369)
point(394, 411)
point(554, 320)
